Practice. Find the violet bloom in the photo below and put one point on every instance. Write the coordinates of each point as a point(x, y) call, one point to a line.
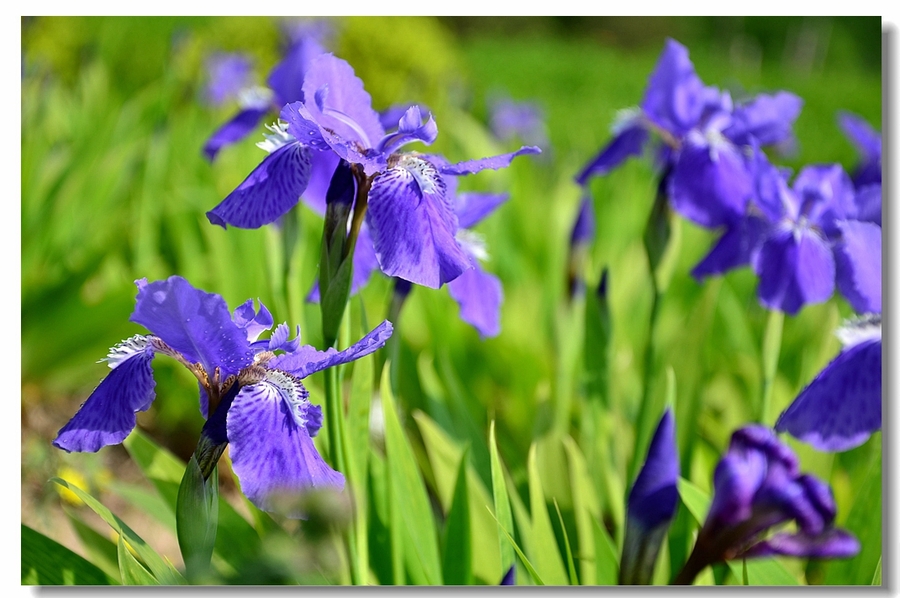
point(407, 209)
point(229, 73)
point(841, 407)
point(284, 84)
point(253, 398)
point(580, 239)
point(705, 138)
point(758, 486)
point(868, 142)
point(804, 239)
point(651, 505)
point(523, 120)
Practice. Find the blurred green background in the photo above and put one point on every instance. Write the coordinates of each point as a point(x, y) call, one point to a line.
point(114, 188)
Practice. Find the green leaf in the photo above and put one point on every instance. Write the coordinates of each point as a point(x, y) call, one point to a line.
point(876, 579)
point(149, 502)
point(101, 551)
point(457, 554)
point(197, 515)
point(46, 562)
point(695, 499)
point(408, 494)
point(132, 572)
point(585, 507)
point(161, 569)
point(501, 502)
point(573, 576)
point(546, 555)
point(865, 521)
point(606, 557)
point(528, 566)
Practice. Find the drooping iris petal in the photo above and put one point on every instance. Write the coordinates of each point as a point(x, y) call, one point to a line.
point(240, 125)
point(479, 295)
point(473, 207)
point(735, 248)
point(585, 226)
point(795, 267)
point(273, 188)
point(272, 452)
point(841, 407)
point(858, 262)
point(493, 162)
point(868, 203)
point(413, 225)
point(767, 118)
point(195, 323)
point(654, 496)
point(674, 98)
point(308, 360)
point(108, 415)
point(710, 184)
point(833, 543)
point(629, 142)
point(868, 141)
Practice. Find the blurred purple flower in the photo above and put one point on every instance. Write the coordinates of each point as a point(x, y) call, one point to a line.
point(705, 139)
point(580, 239)
point(229, 73)
point(252, 398)
point(510, 120)
point(758, 486)
point(409, 213)
point(841, 407)
point(868, 142)
point(803, 239)
point(651, 505)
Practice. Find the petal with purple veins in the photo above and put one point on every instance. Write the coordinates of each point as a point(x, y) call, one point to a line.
point(240, 125)
point(273, 188)
point(841, 407)
point(413, 225)
point(272, 452)
point(493, 162)
point(109, 414)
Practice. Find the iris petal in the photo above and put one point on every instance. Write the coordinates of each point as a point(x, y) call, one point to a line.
point(492, 162)
point(273, 188)
point(794, 268)
point(414, 226)
point(858, 261)
point(272, 454)
point(479, 295)
point(108, 415)
point(629, 142)
point(841, 407)
point(240, 125)
point(307, 359)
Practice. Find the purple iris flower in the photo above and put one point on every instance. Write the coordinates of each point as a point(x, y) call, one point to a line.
point(868, 142)
point(580, 239)
point(651, 505)
point(841, 407)
point(229, 73)
point(804, 239)
point(758, 486)
point(705, 138)
point(523, 120)
point(284, 84)
point(409, 212)
point(252, 397)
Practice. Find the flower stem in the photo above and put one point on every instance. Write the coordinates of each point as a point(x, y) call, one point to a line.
point(771, 350)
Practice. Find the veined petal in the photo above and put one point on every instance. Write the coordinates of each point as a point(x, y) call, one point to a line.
point(196, 324)
point(271, 450)
point(307, 359)
point(630, 141)
point(240, 125)
point(710, 184)
point(413, 225)
point(493, 162)
point(108, 415)
point(794, 268)
point(479, 295)
point(841, 407)
point(858, 262)
point(473, 207)
point(273, 188)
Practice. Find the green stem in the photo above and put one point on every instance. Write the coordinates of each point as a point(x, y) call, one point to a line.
point(645, 412)
point(771, 351)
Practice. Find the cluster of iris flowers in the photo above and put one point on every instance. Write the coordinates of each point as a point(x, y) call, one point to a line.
point(400, 212)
